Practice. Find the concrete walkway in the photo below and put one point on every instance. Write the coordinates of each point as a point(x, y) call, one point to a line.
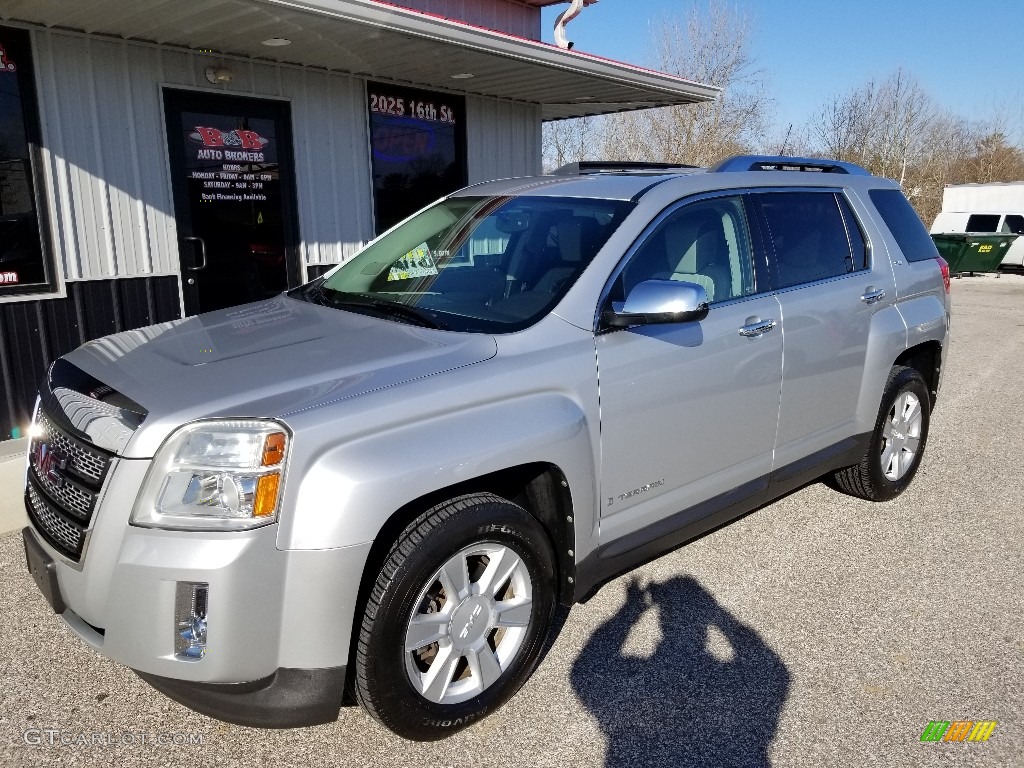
point(12, 485)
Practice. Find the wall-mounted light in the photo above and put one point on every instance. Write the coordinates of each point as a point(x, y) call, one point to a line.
point(217, 75)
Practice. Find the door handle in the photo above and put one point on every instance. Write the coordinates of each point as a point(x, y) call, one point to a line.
point(202, 253)
point(870, 296)
point(757, 328)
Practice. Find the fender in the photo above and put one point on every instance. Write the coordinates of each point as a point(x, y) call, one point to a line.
point(887, 340)
point(351, 489)
point(925, 318)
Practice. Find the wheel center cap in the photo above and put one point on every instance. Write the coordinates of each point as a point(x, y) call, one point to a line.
point(898, 435)
point(470, 622)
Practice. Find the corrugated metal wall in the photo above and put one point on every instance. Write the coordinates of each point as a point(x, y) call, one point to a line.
point(511, 17)
point(504, 139)
point(106, 162)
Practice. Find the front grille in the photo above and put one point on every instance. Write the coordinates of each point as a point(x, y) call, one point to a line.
point(86, 461)
point(64, 480)
point(66, 536)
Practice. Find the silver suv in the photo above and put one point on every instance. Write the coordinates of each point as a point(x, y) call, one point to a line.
point(385, 483)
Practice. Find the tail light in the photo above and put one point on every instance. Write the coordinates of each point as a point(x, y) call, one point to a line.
point(944, 266)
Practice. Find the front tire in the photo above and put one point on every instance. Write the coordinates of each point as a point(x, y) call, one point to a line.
point(897, 442)
point(457, 617)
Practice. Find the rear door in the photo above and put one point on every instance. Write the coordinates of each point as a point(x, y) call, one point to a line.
point(829, 289)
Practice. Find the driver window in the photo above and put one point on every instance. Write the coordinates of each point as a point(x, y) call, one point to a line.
point(706, 243)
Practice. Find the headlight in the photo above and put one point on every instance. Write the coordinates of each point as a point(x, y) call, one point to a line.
point(215, 475)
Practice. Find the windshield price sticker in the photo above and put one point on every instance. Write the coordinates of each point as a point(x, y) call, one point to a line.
point(416, 263)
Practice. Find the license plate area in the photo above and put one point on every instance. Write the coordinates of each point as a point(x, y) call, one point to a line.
point(43, 570)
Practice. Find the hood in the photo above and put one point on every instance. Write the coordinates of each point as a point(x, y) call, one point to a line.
point(267, 359)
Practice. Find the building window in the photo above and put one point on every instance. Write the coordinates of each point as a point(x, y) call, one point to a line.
point(418, 144)
point(24, 262)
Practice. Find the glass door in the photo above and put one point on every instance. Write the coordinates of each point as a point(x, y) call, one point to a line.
point(234, 200)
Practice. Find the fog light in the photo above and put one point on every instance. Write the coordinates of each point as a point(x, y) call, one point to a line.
point(190, 603)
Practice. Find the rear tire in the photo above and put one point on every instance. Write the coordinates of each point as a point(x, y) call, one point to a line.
point(897, 442)
point(457, 618)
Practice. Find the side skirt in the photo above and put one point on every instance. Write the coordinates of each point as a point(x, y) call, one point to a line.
point(623, 555)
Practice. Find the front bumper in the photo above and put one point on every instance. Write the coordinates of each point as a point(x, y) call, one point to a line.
point(272, 613)
point(289, 698)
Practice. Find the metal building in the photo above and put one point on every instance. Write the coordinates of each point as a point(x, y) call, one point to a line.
point(162, 158)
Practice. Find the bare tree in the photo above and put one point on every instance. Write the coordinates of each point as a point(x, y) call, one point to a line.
point(710, 45)
point(948, 143)
point(881, 125)
point(570, 141)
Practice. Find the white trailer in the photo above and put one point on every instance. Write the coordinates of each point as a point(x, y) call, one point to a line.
point(995, 207)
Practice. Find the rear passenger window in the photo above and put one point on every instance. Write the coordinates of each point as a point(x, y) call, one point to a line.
point(983, 222)
point(812, 236)
point(904, 223)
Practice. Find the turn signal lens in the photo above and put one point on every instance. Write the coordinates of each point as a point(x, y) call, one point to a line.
point(266, 495)
point(273, 449)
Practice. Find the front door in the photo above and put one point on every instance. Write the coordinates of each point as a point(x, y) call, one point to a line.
point(234, 200)
point(689, 410)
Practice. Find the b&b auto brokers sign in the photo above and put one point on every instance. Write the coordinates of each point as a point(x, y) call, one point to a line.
point(233, 165)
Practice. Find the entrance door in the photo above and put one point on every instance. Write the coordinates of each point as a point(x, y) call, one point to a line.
point(234, 199)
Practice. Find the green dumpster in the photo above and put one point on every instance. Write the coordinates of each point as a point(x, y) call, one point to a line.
point(972, 251)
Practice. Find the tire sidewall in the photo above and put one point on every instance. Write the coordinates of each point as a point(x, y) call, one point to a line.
point(900, 380)
point(396, 702)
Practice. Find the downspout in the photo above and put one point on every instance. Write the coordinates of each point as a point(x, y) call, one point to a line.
point(565, 17)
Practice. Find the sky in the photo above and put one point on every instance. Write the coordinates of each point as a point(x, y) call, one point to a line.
point(969, 56)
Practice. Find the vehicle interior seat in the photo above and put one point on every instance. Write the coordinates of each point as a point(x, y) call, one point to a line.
point(577, 238)
point(697, 247)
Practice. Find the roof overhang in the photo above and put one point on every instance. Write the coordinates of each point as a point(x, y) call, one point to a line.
point(377, 40)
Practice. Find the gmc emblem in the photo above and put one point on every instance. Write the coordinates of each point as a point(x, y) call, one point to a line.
point(48, 461)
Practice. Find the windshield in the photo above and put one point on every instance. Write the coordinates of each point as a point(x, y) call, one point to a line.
point(491, 264)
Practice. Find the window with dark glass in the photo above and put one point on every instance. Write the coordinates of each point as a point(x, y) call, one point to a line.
point(1013, 224)
point(904, 224)
point(812, 237)
point(983, 222)
point(418, 149)
point(23, 263)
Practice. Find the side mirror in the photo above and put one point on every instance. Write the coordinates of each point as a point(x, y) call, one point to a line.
point(659, 301)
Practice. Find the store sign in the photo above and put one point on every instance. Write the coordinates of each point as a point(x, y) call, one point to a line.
point(397, 106)
point(214, 144)
point(418, 150)
point(8, 278)
point(229, 165)
point(6, 65)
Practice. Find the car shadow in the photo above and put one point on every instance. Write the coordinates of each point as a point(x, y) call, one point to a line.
point(705, 697)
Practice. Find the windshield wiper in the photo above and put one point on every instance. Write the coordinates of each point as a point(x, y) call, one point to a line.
point(312, 292)
point(411, 313)
point(341, 299)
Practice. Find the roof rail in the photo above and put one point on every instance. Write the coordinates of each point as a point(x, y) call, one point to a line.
point(783, 163)
point(585, 167)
